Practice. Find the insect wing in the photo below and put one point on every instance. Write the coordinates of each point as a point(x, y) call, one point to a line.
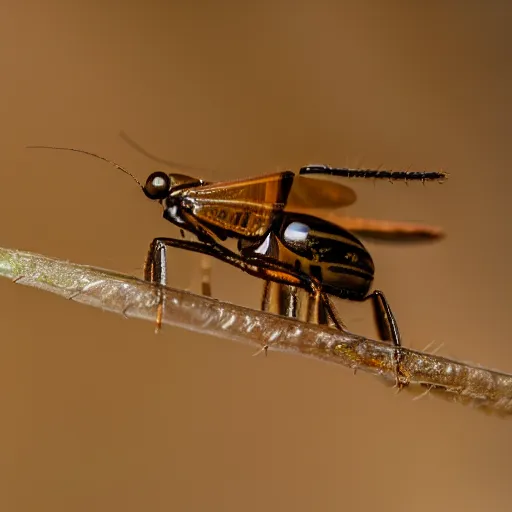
point(386, 231)
point(315, 193)
point(245, 207)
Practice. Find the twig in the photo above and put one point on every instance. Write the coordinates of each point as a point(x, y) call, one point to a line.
point(488, 390)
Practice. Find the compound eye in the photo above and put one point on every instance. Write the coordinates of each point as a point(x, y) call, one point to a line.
point(157, 185)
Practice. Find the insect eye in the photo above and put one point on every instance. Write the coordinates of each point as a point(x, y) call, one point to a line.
point(157, 185)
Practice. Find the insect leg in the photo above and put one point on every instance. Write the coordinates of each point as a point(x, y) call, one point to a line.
point(206, 272)
point(388, 329)
point(285, 274)
point(265, 298)
point(206, 277)
point(294, 302)
point(386, 322)
point(154, 269)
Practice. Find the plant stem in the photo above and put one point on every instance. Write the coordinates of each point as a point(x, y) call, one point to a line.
point(419, 372)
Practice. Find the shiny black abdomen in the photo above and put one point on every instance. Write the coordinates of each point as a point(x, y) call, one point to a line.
point(321, 249)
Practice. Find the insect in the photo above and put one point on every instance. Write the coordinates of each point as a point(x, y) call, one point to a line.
point(296, 302)
point(277, 241)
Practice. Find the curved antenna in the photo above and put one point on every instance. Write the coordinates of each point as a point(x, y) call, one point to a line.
point(169, 163)
point(344, 172)
point(91, 154)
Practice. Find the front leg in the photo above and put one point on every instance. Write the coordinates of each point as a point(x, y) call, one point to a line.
point(155, 271)
point(155, 266)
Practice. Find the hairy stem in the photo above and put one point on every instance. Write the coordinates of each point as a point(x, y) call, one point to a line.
point(488, 390)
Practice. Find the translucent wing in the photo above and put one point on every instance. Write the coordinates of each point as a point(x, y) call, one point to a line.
point(314, 193)
point(246, 207)
point(386, 231)
point(243, 207)
point(327, 196)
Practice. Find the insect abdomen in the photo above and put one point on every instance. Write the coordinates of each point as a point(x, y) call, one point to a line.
point(329, 253)
point(320, 249)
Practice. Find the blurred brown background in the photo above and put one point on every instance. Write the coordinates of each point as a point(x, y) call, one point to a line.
point(99, 414)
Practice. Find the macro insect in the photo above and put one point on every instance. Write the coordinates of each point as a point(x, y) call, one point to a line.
point(279, 240)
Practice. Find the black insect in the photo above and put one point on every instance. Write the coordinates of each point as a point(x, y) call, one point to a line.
point(278, 240)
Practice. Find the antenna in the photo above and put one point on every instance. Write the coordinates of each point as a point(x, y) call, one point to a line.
point(91, 154)
point(169, 163)
point(378, 174)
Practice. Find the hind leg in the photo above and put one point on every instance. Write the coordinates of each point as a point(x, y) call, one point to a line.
point(388, 329)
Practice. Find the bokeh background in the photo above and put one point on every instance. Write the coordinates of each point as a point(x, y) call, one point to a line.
point(98, 413)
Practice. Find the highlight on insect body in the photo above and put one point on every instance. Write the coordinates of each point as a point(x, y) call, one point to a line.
point(304, 258)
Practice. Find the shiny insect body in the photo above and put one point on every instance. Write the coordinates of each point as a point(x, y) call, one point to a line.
point(291, 251)
point(322, 249)
point(254, 211)
point(312, 257)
